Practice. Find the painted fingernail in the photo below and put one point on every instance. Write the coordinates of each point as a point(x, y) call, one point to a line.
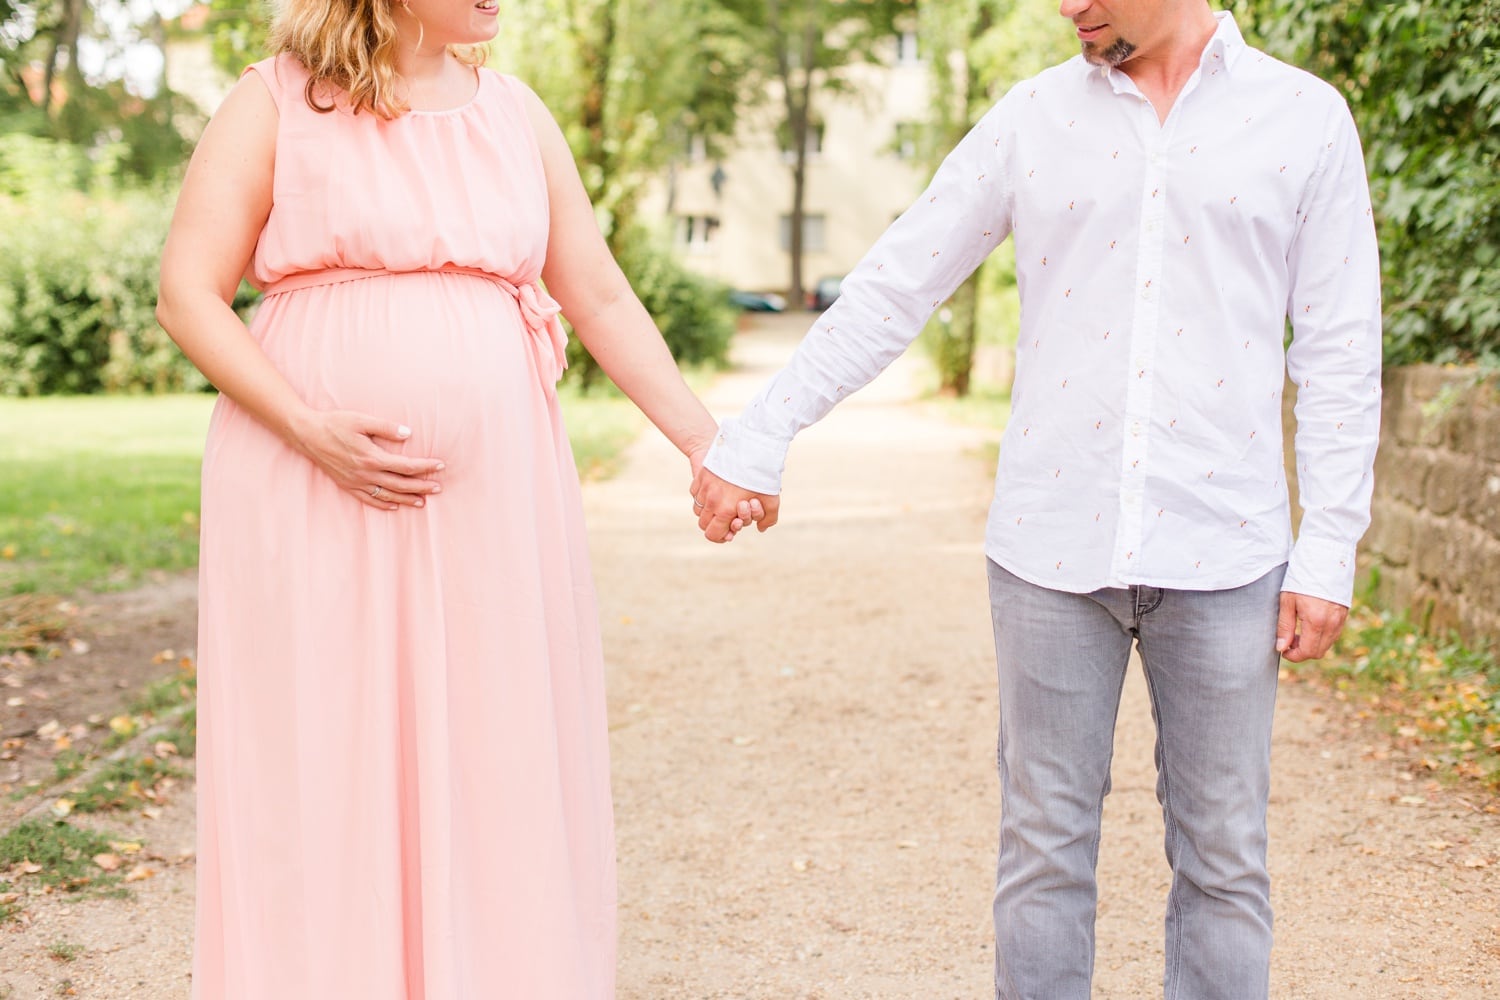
point(437, 489)
point(403, 431)
point(441, 467)
point(419, 503)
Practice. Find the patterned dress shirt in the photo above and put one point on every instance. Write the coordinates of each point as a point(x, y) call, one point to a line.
point(1158, 264)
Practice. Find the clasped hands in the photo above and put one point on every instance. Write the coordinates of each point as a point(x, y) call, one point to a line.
point(723, 508)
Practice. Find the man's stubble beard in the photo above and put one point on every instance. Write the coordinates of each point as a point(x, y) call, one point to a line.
point(1114, 54)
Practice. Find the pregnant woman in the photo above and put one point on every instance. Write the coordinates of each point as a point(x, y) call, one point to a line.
point(403, 772)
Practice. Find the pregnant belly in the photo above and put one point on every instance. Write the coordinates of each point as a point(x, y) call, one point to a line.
point(445, 354)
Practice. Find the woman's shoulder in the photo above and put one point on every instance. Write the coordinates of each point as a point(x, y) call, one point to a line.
point(282, 73)
point(510, 84)
point(519, 94)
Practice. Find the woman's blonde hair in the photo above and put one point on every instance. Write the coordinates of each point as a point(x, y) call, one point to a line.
point(349, 47)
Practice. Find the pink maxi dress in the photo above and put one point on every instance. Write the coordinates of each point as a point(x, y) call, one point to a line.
point(403, 772)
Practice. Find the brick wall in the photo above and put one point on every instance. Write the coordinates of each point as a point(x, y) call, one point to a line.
point(1433, 548)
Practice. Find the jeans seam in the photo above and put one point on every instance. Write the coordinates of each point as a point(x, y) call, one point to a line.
point(1172, 973)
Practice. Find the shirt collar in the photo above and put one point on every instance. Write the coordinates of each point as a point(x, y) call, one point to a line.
point(1226, 45)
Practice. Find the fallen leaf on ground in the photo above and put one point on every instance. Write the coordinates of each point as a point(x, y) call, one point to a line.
point(109, 862)
point(140, 872)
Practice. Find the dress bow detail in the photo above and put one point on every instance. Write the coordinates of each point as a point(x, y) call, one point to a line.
point(549, 344)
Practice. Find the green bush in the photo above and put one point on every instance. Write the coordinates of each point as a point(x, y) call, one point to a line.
point(692, 312)
point(78, 288)
point(1423, 80)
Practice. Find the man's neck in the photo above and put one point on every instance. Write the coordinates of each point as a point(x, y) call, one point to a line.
point(1162, 70)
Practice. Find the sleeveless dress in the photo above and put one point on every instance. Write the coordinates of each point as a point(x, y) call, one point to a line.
point(403, 772)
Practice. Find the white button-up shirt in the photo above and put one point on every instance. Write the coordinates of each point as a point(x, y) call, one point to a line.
point(1157, 265)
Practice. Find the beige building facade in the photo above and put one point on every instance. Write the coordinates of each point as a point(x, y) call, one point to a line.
point(730, 219)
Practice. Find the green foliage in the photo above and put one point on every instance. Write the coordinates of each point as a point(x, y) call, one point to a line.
point(629, 81)
point(1423, 80)
point(78, 283)
point(136, 132)
point(237, 31)
point(692, 312)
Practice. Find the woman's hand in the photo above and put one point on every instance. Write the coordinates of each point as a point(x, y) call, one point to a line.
point(344, 444)
point(746, 511)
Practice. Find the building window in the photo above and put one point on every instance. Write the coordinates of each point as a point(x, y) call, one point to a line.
point(697, 232)
point(814, 238)
point(906, 48)
point(906, 140)
point(814, 142)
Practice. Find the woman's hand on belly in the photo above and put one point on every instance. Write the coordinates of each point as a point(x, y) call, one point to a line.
point(345, 445)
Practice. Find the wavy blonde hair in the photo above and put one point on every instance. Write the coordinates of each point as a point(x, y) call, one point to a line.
point(349, 48)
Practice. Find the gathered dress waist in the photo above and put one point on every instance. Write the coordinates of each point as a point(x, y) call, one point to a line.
point(539, 311)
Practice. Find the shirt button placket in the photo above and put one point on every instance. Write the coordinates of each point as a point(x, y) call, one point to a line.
point(1142, 376)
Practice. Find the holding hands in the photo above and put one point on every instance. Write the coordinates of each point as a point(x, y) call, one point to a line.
point(723, 508)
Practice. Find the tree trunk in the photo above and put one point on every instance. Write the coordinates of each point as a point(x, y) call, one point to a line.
point(66, 39)
point(596, 51)
point(801, 120)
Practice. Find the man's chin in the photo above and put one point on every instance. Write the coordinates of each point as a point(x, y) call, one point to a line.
point(1113, 54)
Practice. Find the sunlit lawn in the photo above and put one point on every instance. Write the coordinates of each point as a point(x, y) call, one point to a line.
point(98, 491)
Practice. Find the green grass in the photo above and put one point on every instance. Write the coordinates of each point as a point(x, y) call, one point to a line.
point(63, 853)
point(63, 951)
point(1438, 696)
point(121, 784)
point(600, 425)
point(101, 490)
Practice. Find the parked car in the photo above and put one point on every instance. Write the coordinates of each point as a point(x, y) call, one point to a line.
point(824, 293)
point(768, 302)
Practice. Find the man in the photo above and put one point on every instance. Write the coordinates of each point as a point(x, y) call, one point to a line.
point(1174, 196)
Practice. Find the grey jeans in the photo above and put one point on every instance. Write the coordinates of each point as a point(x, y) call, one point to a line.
point(1210, 664)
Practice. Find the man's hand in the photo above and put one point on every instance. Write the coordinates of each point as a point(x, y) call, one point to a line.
point(723, 508)
point(1307, 626)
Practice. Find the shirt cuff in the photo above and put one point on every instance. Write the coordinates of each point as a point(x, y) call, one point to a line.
point(749, 460)
point(1321, 568)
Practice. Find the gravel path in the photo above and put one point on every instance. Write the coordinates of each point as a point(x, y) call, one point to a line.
point(803, 737)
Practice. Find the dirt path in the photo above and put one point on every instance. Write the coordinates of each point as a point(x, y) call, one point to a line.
point(803, 756)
